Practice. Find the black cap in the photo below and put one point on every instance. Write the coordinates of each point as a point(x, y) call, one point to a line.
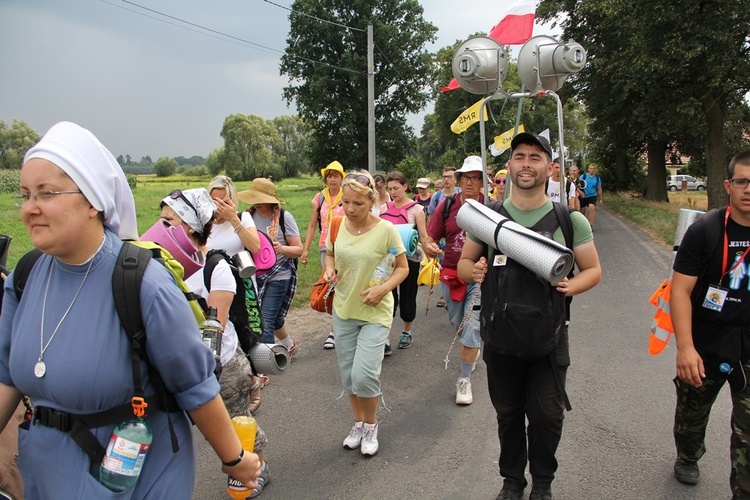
point(525, 138)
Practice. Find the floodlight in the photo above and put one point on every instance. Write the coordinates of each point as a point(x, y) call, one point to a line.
point(544, 63)
point(480, 65)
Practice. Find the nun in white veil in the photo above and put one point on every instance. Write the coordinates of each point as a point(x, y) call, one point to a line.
point(62, 343)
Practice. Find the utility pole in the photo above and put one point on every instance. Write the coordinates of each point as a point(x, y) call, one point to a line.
point(370, 101)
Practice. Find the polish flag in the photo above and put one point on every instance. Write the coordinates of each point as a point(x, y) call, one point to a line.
point(517, 25)
point(515, 28)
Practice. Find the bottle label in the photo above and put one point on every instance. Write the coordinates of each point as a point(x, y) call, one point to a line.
point(235, 484)
point(125, 457)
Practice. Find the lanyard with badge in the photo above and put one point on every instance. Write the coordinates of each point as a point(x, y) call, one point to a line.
point(717, 295)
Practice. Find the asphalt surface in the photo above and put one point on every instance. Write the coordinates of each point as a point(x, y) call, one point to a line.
point(617, 441)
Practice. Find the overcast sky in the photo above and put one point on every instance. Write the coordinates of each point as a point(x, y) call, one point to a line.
point(145, 84)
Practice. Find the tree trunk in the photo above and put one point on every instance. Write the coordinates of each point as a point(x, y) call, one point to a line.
point(656, 181)
point(716, 168)
point(621, 166)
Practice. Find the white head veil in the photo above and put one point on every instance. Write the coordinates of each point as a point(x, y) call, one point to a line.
point(79, 154)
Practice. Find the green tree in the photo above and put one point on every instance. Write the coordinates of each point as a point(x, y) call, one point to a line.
point(145, 161)
point(295, 143)
point(15, 140)
point(655, 70)
point(327, 69)
point(215, 161)
point(164, 167)
point(250, 147)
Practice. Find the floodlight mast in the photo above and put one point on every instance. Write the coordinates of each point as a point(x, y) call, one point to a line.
point(543, 65)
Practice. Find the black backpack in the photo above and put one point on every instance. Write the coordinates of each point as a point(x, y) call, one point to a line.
point(522, 314)
point(127, 276)
point(244, 313)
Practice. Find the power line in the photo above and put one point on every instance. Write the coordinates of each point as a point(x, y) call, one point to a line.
point(231, 38)
point(314, 17)
point(181, 26)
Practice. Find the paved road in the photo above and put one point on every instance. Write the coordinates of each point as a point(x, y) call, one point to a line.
point(616, 442)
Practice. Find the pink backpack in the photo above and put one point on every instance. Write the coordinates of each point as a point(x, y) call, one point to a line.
point(397, 215)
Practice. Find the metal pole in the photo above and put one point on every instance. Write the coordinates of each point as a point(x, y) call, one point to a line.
point(370, 101)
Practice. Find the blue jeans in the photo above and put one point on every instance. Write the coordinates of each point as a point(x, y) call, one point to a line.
point(270, 308)
point(470, 336)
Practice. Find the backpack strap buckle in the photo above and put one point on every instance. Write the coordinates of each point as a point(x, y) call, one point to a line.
point(139, 406)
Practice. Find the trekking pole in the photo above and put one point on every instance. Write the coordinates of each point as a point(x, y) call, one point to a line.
point(466, 317)
point(432, 285)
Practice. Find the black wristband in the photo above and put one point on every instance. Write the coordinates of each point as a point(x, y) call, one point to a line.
point(236, 460)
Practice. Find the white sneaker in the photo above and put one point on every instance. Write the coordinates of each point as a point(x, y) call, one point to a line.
point(354, 438)
point(463, 392)
point(370, 439)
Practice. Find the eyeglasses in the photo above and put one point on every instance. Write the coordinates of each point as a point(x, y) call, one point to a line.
point(178, 195)
point(473, 178)
point(448, 176)
point(362, 179)
point(739, 183)
point(499, 181)
point(39, 196)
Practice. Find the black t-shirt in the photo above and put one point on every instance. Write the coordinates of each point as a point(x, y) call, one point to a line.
point(699, 257)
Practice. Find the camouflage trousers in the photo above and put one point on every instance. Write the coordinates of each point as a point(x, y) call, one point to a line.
point(236, 383)
point(691, 418)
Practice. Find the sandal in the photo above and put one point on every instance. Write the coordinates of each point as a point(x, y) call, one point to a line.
point(441, 302)
point(330, 342)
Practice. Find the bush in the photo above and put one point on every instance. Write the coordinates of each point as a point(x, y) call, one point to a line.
point(164, 167)
point(197, 171)
point(10, 181)
point(132, 181)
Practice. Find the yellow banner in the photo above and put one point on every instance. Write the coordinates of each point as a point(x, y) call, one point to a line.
point(502, 141)
point(468, 117)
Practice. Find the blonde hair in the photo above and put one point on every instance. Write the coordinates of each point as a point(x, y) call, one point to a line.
point(359, 187)
point(225, 183)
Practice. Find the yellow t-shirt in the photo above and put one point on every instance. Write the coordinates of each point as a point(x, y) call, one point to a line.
point(356, 258)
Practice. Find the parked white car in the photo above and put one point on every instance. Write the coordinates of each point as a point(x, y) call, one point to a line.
point(674, 183)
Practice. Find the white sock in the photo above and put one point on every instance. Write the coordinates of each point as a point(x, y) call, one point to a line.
point(287, 342)
point(370, 426)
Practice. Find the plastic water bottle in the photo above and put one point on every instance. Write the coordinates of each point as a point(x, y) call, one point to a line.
point(245, 426)
point(211, 330)
point(725, 368)
point(384, 269)
point(125, 454)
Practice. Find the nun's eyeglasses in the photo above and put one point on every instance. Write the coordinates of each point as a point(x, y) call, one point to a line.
point(177, 195)
point(39, 196)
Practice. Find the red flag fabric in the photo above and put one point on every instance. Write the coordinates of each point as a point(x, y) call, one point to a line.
point(517, 25)
point(515, 28)
point(453, 85)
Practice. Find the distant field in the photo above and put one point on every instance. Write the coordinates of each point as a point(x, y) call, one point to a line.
point(296, 192)
point(657, 219)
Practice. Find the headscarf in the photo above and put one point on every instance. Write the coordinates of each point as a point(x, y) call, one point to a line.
point(196, 214)
point(79, 154)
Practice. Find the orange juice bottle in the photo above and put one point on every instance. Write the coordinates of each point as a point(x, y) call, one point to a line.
point(245, 427)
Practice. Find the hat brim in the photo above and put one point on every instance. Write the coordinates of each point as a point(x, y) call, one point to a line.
point(255, 197)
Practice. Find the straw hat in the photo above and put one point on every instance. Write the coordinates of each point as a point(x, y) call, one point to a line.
point(334, 166)
point(261, 190)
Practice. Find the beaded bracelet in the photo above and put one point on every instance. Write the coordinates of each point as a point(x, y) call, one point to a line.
point(236, 460)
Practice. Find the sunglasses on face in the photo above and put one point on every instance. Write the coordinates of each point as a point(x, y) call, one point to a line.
point(177, 195)
point(362, 179)
point(499, 181)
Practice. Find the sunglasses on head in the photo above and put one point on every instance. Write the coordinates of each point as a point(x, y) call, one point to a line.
point(362, 179)
point(178, 195)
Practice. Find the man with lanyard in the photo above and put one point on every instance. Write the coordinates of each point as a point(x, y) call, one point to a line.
point(529, 388)
point(710, 306)
point(458, 296)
